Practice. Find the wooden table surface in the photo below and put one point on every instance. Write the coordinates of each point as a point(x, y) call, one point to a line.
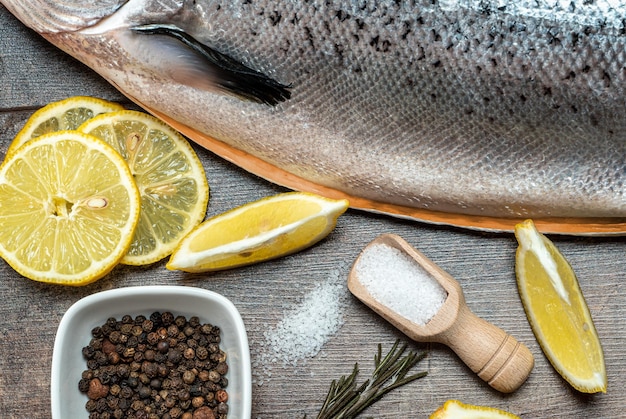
point(33, 73)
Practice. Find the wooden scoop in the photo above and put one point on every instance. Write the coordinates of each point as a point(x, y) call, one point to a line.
point(494, 355)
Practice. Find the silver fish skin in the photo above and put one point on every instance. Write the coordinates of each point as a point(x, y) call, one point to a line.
point(468, 110)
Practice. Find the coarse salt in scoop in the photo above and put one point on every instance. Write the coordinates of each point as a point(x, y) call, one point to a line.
point(398, 282)
point(428, 305)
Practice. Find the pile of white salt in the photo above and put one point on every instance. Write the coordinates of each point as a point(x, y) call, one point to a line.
point(303, 330)
point(398, 282)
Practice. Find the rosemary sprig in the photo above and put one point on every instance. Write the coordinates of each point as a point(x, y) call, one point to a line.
point(345, 400)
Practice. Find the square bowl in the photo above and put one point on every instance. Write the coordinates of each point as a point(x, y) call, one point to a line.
point(74, 333)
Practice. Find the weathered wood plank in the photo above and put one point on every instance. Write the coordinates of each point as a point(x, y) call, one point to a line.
point(33, 73)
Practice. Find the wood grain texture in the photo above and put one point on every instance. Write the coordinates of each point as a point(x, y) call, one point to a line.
point(33, 73)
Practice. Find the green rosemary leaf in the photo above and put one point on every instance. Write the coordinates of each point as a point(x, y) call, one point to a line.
point(345, 400)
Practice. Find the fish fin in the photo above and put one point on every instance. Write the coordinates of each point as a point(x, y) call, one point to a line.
point(227, 73)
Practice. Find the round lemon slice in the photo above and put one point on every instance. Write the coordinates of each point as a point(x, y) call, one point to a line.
point(68, 208)
point(170, 177)
point(454, 409)
point(269, 228)
point(67, 114)
point(557, 311)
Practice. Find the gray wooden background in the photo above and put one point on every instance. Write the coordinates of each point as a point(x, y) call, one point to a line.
point(33, 73)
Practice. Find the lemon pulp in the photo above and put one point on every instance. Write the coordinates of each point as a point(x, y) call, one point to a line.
point(66, 114)
point(258, 231)
point(170, 177)
point(557, 311)
point(68, 208)
point(454, 409)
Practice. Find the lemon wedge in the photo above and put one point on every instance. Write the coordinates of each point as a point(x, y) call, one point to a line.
point(454, 409)
point(170, 177)
point(557, 311)
point(68, 208)
point(66, 114)
point(265, 229)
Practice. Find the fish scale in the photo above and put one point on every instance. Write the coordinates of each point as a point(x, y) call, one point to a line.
point(475, 114)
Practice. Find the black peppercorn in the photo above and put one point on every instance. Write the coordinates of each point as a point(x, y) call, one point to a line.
point(144, 392)
point(167, 318)
point(189, 353)
point(214, 376)
point(156, 318)
point(152, 338)
point(175, 412)
point(115, 390)
point(112, 402)
point(128, 353)
point(172, 331)
point(155, 383)
point(203, 341)
point(132, 382)
point(101, 405)
point(113, 358)
point(147, 326)
point(114, 337)
point(100, 358)
point(194, 321)
point(143, 378)
point(180, 321)
point(222, 368)
point(88, 352)
point(163, 346)
point(162, 370)
point(132, 342)
point(96, 332)
point(106, 329)
point(126, 329)
point(137, 405)
point(123, 370)
point(149, 355)
point(160, 367)
point(202, 353)
point(184, 404)
point(96, 344)
point(125, 404)
point(189, 377)
point(222, 408)
point(136, 330)
point(174, 356)
point(162, 332)
point(83, 385)
point(159, 357)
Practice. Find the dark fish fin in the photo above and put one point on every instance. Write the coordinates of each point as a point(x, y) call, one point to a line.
point(229, 74)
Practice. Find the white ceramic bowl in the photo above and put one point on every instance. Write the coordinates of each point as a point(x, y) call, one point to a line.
point(75, 332)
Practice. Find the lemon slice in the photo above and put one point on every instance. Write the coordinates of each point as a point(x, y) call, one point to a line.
point(65, 114)
point(170, 177)
point(454, 409)
point(557, 311)
point(266, 229)
point(68, 208)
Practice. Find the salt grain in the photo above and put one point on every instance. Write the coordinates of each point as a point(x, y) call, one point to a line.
point(398, 282)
